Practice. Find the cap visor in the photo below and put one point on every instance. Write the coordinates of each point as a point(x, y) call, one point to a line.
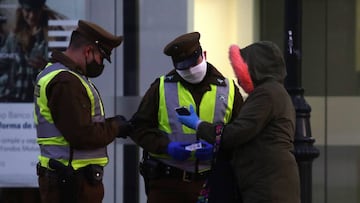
point(186, 64)
point(108, 58)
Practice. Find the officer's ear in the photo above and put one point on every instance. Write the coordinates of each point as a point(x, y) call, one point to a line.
point(88, 50)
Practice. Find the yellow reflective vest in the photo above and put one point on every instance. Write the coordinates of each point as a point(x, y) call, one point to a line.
point(52, 143)
point(216, 106)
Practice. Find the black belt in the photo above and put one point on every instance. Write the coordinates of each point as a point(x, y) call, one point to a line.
point(173, 172)
point(42, 171)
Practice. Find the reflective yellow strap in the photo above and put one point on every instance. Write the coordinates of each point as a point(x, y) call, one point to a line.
point(162, 111)
point(42, 101)
point(53, 141)
point(208, 103)
point(88, 91)
point(231, 97)
point(76, 164)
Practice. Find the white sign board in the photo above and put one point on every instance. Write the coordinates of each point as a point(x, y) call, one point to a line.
point(18, 147)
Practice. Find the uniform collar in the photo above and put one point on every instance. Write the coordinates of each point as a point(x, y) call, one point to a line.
point(60, 57)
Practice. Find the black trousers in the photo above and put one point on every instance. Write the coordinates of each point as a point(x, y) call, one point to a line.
point(84, 191)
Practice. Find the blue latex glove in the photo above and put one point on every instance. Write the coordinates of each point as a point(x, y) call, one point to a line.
point(206, 151)
point(177, 151)
point(191, 120)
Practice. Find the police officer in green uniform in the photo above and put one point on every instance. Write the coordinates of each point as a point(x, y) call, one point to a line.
point(72, 130)
point(173, 172)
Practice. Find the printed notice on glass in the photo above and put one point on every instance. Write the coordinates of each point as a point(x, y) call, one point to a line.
point(18, 147)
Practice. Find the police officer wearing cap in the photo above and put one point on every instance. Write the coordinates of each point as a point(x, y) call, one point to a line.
point(175, 162)
point(72, 130)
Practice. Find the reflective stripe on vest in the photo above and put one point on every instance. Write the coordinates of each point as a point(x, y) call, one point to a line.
point(216, 106)
point(52, 143)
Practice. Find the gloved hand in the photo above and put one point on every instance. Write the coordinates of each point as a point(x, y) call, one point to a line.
point(177, 151)
point(206, 151)
point(125, 127)
point(191, 120)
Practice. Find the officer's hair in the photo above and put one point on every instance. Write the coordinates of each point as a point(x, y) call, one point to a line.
point(77, 40)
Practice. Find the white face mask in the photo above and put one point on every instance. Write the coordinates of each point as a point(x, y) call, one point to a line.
point(196, 73)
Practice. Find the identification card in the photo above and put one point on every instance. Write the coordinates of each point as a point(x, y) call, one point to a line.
point(194, 146)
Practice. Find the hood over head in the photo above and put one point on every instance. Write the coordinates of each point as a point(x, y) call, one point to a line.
point(241, 69)
point(264, 60)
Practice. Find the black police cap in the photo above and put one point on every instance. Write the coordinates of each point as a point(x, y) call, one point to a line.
point(184, 50)
point(102, 38)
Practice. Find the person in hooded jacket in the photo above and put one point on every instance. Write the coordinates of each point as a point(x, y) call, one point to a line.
point(261, 137)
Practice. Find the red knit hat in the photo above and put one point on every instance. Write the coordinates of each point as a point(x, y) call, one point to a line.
point(241, 69)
